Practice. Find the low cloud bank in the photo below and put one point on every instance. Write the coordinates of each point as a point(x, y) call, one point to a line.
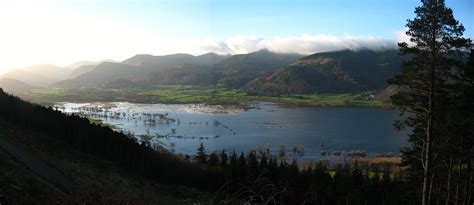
point(304, 44)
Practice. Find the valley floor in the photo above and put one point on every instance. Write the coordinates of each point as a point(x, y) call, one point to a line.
point(192, 94)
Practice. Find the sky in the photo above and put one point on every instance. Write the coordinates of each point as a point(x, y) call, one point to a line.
point(62, 32)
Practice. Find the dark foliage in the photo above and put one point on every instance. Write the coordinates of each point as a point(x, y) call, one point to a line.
point(261, 179)
point(106, 143)
point(254, 178)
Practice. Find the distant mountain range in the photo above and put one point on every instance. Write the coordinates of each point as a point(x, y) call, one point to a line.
point(262, 72)
point(208, 69)
point(231, 71)
point(38, 75)
point(43, 75)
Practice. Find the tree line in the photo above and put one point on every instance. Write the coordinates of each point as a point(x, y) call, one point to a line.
point(103, 142)
point(230, 178)
point(260, 178)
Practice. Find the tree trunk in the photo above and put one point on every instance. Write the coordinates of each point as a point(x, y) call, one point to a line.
point(469, 193)
point(448, 187)
point(456, 198)
point(426, 192)
point(427, 151)
point(438, 198)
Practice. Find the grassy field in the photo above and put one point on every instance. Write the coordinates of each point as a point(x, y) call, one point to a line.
point(192, 94)
point(47, 91)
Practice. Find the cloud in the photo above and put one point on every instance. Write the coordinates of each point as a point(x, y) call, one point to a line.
point(401, 36)
point(305, 44)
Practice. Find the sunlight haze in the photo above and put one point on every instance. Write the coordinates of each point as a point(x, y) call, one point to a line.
point(63, 32)
point(237, 102)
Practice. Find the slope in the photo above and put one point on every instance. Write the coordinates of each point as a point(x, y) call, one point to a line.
point(331, 72)
point(14, 86)
point(94, 160)
point(38, 75)
point(238, 70)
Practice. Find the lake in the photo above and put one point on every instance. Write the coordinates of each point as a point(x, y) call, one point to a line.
point(305, 132)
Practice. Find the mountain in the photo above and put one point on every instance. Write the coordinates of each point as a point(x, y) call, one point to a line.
point(38, 75)
point(78, 64)
point(14, 86)
point(238, 70)
point(211, 58)
point(210, 69)
point(147, 69)
point(263, 72)
point(155, 63)
point(158, 61)
point(46, 74)
point(101, 74)
point(81, 67)
point(331, 72)
point(180, 75)
point(81, 70)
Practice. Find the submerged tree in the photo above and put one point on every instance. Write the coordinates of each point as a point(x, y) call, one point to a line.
point(427, 84)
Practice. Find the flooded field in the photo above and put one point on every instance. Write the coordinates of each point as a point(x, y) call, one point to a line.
point(303, 132)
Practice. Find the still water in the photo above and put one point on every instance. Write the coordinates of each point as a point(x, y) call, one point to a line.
point(181, 128)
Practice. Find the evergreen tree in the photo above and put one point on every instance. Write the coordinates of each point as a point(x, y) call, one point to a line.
point(201, 156)
point(242, 166)
point(263, 161)
point(224, 159)
point(253, 164)
point(233, 166)
point(213, 160)
point(425, 84)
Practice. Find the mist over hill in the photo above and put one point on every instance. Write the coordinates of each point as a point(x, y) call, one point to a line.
point(38, 75)
point(47, 74)
point(13, 86)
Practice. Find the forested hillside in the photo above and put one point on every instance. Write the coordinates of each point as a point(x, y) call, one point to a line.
point(255, 177)
point(331, 72)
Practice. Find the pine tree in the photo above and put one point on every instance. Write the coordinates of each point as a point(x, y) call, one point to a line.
point(263, 162)
point(201, 156)
point(213, 160)
point(224, 159)
point(242, 166)
point(424, 84)
point(233, 166)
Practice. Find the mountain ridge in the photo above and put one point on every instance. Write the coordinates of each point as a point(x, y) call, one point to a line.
point(262, 72)
point(333, 72)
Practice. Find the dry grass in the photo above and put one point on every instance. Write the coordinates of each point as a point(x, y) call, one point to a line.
point(380, 160)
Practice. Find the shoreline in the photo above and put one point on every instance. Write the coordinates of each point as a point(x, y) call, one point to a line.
point(240, 104)
point(198, 95)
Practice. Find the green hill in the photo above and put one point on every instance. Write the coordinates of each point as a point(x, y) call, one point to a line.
point(331, 72)
point(238, 70)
